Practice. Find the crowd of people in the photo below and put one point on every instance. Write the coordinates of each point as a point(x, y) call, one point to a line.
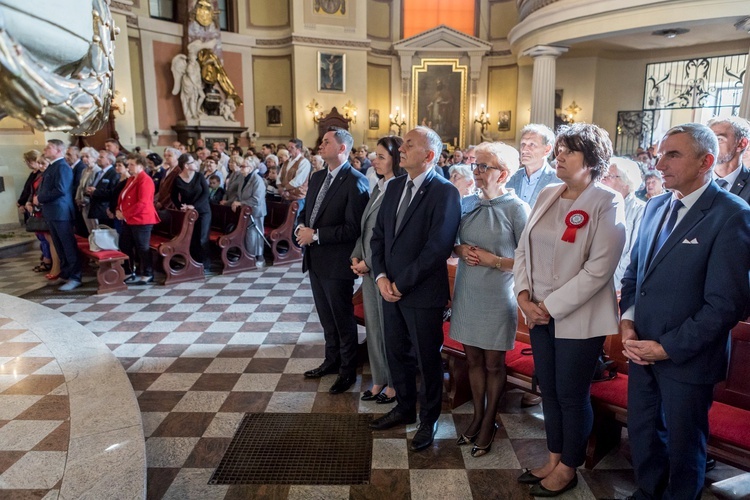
point(556, 230)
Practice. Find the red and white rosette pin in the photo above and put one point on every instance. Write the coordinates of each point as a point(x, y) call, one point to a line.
point(574, 220)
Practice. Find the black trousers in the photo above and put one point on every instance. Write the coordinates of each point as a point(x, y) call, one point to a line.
point(200, 250)
point(413, 339)
point(565, 368)
point(333, 301)
point(134, 241)
point(64, 239)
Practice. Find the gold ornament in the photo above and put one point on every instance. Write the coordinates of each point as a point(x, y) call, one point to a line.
point(204, 13)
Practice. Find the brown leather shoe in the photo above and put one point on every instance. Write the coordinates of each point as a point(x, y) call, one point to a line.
point(530, 399)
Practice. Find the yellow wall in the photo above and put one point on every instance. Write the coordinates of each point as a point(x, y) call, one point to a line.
point(263, 14)
point(378, 19)
point(502, 95)
point(503, 16)
point(137, 104)
point(379, 98)
point(272, 83)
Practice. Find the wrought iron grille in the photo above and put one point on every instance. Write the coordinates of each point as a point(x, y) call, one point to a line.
point(634, 129)
point(706, 82)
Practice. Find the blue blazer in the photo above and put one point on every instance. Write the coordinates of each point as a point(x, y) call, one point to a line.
point(337, 222)
point(549, 176)
point(56, 192)
point(696, 288)
point(741, 186)
point(414, 257)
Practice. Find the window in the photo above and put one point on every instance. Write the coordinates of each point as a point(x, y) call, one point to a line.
point(423, 15)
point(162, 9)
point(224, 16)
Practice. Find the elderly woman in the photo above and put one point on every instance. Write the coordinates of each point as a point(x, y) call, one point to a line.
point(233, 181)
point(462, 177)
point(135, 209)
point(564, 268)
point(252, 192)
point(387, 167)
point(272, 164)
point(90, 157)
point(317, 163)
point(190, 191)
point(50, 260)
point(485, 312)
point(155, 170)
point(625, 177)
point(123, 174)
point(210, 168)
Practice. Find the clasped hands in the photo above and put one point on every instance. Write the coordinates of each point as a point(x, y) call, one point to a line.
point(536, 314)
point(640, 352)
point(185, 208)
point(475, 256)
point(305, 235)
point(388, 290)
point(359, 267)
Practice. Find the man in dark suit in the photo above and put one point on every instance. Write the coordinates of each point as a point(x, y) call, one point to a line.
point(73, 158)
point(56, 199)
point(103, 189)
point(414, 235)
point(730, 174)
point(685, 288)
point(328, 228)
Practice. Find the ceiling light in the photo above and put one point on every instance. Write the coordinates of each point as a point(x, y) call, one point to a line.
point(670, 33)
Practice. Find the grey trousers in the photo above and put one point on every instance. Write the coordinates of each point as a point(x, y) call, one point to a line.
point(373, 304)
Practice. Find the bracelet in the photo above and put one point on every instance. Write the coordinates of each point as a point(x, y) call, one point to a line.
point(499, 264)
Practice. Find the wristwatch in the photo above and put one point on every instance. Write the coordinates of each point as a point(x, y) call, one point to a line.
point(315, 237)
point(499, 264)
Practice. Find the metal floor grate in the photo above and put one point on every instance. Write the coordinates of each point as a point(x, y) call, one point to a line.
point(291, 448)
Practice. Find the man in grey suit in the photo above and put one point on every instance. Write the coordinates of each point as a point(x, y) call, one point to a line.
point(730, 174)
point(536, 143)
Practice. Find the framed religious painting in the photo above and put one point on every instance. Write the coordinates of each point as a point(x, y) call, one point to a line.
point(374, 119)
point(439, 98)
point(273, 116)
point(331, 72)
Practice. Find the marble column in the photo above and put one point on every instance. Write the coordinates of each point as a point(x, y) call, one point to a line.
point(744, 111)
point(543, 83)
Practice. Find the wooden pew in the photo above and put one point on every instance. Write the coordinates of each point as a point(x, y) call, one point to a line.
point(279, 227)
point(170, 239)
point(110, 274)
point(228, 230)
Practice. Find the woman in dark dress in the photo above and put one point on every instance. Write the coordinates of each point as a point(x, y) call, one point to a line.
point(190, 190)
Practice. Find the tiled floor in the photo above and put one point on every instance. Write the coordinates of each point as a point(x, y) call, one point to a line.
point(199, 355)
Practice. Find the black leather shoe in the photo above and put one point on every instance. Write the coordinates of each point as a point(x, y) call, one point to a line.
point(424, 436)
point(392, 419)
point(382, 399)
point(321, 371)
point(528, 478)
point(538, 490)
point(342, 384)
point(710, 464)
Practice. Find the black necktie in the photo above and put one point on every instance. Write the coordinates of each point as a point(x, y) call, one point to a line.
point(404, 204)
point(667, 228)
point(723, 184)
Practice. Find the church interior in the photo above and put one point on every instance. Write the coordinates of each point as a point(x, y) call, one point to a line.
point(139, 392)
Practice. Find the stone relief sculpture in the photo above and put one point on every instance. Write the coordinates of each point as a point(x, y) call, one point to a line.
point(187, 81)
point(61, 80)
point(196, 78)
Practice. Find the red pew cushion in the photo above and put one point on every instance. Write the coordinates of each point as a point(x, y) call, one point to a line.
point(730, 424)
point(614, 392)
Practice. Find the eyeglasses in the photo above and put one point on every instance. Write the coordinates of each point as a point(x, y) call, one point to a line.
point(610, 176)
point(482, 167)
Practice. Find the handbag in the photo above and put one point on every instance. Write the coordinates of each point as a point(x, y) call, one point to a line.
point(36, 225)
point(103, 238)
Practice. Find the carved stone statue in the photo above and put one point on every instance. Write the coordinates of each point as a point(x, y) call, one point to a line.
point(212, 71)
point(57, 63)
point(227, 109)
point(187, 81)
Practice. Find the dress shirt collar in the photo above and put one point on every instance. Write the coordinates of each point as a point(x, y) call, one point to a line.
point(689, 200)
point(419, 180)
point(730, 178)
point(336, 171)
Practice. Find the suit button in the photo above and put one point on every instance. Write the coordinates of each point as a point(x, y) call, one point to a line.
point(643, 294)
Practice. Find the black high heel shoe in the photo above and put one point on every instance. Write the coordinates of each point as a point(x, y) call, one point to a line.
point(466, 439)
point(478, 451)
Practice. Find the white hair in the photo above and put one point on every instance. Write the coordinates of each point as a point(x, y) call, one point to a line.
point(629, 171)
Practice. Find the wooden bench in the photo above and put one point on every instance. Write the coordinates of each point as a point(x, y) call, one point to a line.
point(170, 239)
point(228, 228)
point(281, 219)
point(110, 274)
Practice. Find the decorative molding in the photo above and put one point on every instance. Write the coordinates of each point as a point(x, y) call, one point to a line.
point(527, 7)
point(443, 39)
point(124, 7)
point(326, 41)
point(132, 22)
point(500, 53)
point(381, 52)
point(273, 42)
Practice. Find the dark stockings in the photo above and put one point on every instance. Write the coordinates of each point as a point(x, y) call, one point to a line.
point(487, 379)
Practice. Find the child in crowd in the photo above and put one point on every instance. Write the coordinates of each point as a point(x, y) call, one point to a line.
point(216, 192)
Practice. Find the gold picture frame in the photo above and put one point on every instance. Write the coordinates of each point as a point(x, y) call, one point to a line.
point(439, 98)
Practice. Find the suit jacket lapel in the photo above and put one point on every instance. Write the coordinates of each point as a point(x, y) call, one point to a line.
point(337, 181)
point(691, 218)
point(741, 180)
point(416, 199)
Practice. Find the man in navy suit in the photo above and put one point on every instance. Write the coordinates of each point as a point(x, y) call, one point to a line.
point(328, 230)
point(414, 235)
point(685, 288)
point(56, 198)
point(73, 158)
point(733, 134)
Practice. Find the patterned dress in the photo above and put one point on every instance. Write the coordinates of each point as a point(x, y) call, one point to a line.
point(484, 305)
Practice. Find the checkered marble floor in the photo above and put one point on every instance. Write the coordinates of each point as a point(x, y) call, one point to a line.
point(34, 415)
point(199, 355)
